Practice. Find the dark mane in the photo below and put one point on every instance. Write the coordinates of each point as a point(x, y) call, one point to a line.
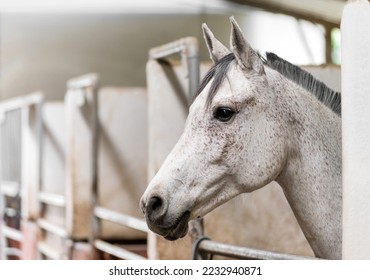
point(325, 95)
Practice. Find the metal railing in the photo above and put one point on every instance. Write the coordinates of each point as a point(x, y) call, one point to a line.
point(207, 248)
point(15, 115)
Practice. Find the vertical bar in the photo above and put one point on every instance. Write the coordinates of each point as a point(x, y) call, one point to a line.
point(194, 75)
point(356, 129)
point(2, 200)
point(84, 96)
point(95, 221)
point(31, 151)
point(328, 45)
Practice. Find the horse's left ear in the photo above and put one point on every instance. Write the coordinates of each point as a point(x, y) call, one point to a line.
point(246, 57)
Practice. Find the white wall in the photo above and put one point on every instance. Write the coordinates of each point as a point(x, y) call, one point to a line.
point(300, 42)
point(356, 130)
point(41, 51)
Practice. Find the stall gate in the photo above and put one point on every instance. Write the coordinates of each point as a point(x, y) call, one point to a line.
point(268, 222)
point(70, 166)
point(120, 168)
point(20, 131)
point(106, 157)
point(58, 237)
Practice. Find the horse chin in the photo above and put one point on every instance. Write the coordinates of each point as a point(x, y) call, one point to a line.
point(177, 234)
point(179, 229)
point(171, 231)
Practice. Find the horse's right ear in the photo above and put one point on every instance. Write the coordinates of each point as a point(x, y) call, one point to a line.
point(216, 49)
point(246, 57)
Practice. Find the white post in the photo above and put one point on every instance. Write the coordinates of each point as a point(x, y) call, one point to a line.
point(355, 28)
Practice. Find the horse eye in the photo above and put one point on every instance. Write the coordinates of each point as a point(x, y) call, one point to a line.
point(223, 114)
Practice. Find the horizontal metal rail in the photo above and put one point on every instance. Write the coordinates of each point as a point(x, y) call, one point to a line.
point(57, 230)
point(52, 199)
point(116, 251)
point(88, 80)
point(12, 233)
point(9, 189)
point(10, 212)
point(187, 45)
point(19, 102)
point(121, 219)
point(48, 251)
point(232, 251)
point(9, 251)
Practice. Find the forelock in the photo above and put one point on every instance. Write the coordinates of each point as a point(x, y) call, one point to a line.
point(216, 74)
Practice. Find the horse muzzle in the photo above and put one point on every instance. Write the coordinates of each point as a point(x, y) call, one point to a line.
point(160, 222)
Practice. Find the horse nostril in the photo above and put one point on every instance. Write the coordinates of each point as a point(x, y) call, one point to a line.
point(154, 207)
point(155, 204)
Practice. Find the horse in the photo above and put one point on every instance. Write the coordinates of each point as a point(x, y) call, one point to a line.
point(250, 125)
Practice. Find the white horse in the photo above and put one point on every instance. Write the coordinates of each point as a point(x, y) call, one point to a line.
point(250, 125)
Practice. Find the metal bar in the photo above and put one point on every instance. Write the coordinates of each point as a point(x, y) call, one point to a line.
point(95, 129)
point(49, 251)
point(116, 251)
point(57, 230)
point(52, 199)
point(88, 80)
point(9, 251)
point(187, 44)
point(189, 50)
point(12, 233)
point(10, 189)
point(39, 134)
point(233, 251)
point(328, 44)
point(10, 212)
point(121, 219)
point(19, 102)
point(87, 85)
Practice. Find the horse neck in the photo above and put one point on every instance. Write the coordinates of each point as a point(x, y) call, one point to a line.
point(311, 178)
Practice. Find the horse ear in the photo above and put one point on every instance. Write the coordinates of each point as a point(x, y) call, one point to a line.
point(246, 57)
point(216, 49)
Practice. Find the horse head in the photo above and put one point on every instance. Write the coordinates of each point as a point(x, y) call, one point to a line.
point(232, 142)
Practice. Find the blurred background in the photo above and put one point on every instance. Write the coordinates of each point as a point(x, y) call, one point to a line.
point(44, 43)
point(76, 156)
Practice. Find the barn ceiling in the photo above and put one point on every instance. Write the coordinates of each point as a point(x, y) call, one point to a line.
point(327, 12)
